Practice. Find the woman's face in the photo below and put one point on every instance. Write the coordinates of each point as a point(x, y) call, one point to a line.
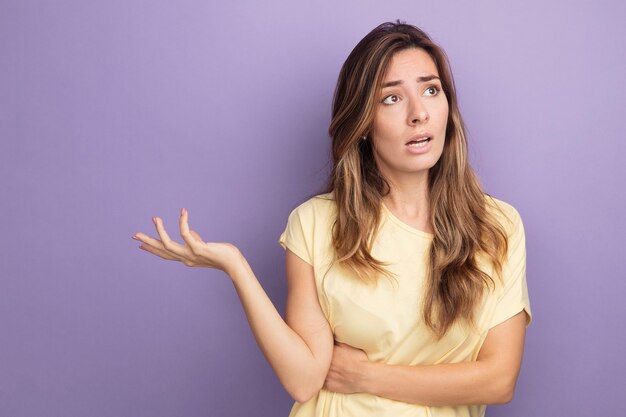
point(411, 107)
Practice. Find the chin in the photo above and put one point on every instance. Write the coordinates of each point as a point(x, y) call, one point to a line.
point(423, 165)
point(412, 167)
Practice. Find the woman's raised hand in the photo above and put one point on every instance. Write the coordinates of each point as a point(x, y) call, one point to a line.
point(194, 252)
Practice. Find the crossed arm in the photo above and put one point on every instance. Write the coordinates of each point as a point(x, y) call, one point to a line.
point(301, 350)
point(490, 379)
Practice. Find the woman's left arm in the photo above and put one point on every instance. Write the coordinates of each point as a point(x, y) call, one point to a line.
point(490, 379)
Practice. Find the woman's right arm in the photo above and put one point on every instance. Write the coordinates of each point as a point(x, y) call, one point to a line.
point(300, 349)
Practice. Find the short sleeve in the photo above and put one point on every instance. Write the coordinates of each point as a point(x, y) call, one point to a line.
point(298, 234)
point(514, 295)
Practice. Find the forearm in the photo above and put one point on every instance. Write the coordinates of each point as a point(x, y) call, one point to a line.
point(463, 383)
point(287, 353)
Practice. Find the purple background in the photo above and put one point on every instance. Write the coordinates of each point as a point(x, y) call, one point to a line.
point(115, 111)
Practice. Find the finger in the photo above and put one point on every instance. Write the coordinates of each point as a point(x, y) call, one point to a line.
point(168, 244)
point(196, 236)
point(159, 252)
point(156, 243)
point(184, 232)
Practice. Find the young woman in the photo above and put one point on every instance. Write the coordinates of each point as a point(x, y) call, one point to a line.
point(406, 282)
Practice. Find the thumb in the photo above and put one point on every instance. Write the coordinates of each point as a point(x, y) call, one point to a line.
point(195, 235)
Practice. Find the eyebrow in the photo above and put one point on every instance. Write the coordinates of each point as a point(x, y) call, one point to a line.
point(419, 80)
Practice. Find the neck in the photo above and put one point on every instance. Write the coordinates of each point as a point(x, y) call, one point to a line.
point(409, 196)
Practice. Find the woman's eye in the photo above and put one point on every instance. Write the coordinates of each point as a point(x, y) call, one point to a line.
point(434, 90)
point(391, 99)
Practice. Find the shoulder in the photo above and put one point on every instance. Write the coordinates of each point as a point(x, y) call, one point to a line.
point(308, 228)
point(321, 205)
point(507, 215)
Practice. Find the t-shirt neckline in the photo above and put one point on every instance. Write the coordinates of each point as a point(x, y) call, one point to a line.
point(406, 226)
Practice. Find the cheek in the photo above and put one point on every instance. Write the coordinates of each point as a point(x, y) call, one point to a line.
point(441, 110)
point(378, 125)
point(443, 125)
point(445, 111)
point(386, 129)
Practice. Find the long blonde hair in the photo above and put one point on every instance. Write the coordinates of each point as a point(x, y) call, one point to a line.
point(462, 224)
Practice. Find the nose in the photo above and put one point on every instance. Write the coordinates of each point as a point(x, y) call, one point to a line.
point(417, 113)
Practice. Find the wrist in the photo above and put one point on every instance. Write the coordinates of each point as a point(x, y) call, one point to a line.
point(236, 266)
point(367, 370)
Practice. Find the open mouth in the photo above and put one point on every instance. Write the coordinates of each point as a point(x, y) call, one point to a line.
point(419, 143)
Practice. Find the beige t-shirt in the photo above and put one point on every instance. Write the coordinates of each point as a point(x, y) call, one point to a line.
point(385, 321)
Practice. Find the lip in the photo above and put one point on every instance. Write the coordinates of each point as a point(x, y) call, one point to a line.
point(421, 135)
point(423, 148)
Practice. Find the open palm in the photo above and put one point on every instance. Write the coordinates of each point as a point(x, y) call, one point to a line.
point(194, 253)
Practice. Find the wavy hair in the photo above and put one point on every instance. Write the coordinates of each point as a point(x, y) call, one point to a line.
point(463, 226)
